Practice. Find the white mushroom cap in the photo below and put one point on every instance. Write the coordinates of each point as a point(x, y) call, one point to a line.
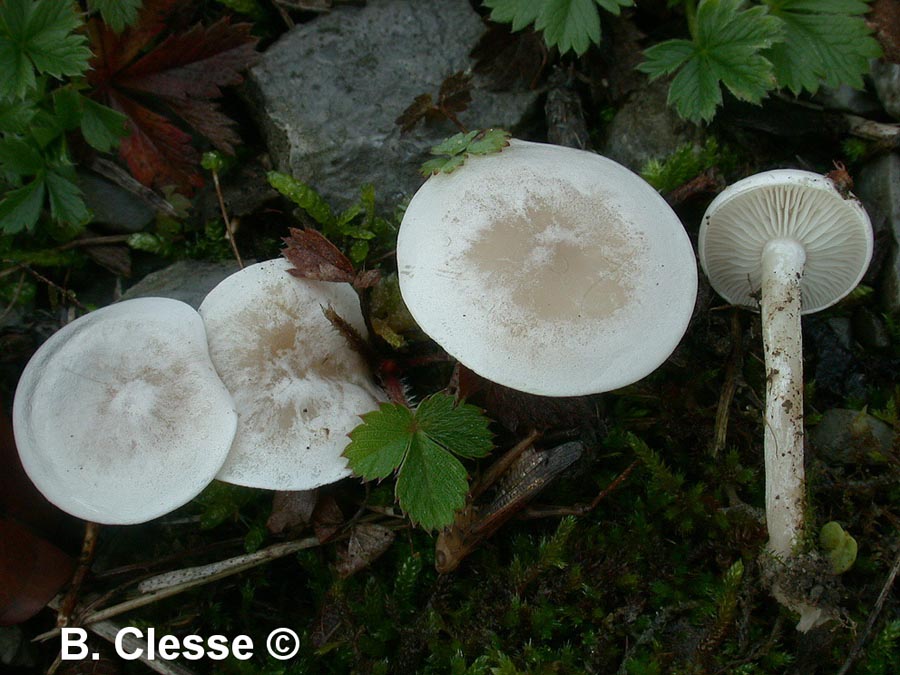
point(298, 386)
point(120, 417)
point(546, 269)
point(785, 204)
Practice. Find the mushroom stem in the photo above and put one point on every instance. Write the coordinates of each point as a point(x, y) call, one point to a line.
point(782, 269)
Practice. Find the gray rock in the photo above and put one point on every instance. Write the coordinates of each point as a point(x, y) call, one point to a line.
point(878, 186)
point(185, 280)
point(886, 78)
point(851, 436)
point(835, 368)
point(115, 210)
point(847, 99)
point(645, 128)
point(328, 92)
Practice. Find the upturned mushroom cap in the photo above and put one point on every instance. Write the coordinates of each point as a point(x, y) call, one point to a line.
point(120, 417)
point(298, 386)
point(546, 269)
point(805, 207)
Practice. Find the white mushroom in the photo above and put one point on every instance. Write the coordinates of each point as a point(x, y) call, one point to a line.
point(298, 386)
point(546, 269)
point(793, 236)
point(120, 417)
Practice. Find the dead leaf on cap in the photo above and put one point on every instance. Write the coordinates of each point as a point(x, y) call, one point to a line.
point(367, 543)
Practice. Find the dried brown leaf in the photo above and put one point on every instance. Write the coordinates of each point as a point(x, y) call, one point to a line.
point(419, 109)
point(456, 92)
point(327, 518)
point(314, 257)
point(367, 543)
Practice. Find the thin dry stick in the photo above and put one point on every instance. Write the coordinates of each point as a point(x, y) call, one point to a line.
point(873, 618)
point(69, 295)
point(85, 559)
point(584, 509)
point(95, 241)
point(193, 577)
point(228, 227)
point(735, 363)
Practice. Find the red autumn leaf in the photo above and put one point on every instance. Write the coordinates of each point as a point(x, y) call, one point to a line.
point(180, 76)
point(314, 257)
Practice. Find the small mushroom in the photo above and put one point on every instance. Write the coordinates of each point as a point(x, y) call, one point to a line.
point(548, 270)
point(796, 238)
point(120, 417)
point(298, 386)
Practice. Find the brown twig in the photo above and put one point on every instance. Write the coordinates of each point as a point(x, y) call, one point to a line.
point(85, 559)
point(95, 241)
point(582, 509)
point(69, 295)
point(229, 229)
point(873, 618)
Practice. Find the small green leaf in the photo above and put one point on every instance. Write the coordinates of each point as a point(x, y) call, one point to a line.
point(378, 445)
point(431, 483)
point(455, 144)
point(824, 41)
point(66, 201)
point(462, 429)
point(102, 127)
point(118, 14)
point(359, 250)
point(303, 196)
point(570, 25)
point(21, 208)
point(20, 157)
point(212, 161)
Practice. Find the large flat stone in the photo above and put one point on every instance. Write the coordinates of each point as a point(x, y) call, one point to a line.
point(328, 92)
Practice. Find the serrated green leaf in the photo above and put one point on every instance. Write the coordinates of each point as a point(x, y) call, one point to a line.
point(614, 6)
point(489, 142)
point(455, 144)
point(303, 196)
point(431, 485)
point(66, 200)
point(436, 166)
point(20, 157)
point(21, 208)
point(825, 41)
point(378, 445)
point(520, 13)
point(67, 105)
point(37, 35)
point(570, 25)
point(462, 429)
point(117, 14)
point(725, 51)
point(15, 115)
point(102, 127)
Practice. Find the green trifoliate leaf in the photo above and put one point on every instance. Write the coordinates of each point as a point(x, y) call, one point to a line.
point(21, 208)
point(420, 446)
point(824, 41)
point(452, 152)
point(38, 36)
point(102, 127)
point(118, 14)
point(725, 51)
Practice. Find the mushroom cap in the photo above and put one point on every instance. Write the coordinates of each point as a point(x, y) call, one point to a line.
point(546, 269)
point(297, 385)
point(120, 417)
point(790, 204)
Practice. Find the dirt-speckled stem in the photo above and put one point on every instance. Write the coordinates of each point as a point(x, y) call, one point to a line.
point(785, 482)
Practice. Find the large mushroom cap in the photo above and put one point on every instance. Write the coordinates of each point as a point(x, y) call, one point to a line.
point(120, 417)
point(298, 386)
point(549, 270)
point(785, 204)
